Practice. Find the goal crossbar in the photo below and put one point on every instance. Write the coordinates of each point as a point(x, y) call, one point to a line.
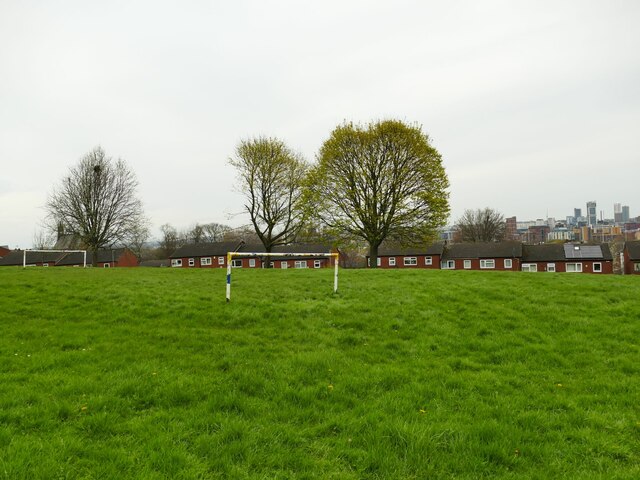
point(230, 256)
point(24, 254)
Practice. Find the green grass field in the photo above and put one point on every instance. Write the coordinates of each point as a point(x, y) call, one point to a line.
point(147, 373)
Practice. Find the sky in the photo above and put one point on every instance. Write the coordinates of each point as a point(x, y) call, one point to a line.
point(534, 105)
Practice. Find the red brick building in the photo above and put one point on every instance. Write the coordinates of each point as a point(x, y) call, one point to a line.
point(483, 256)
point(415, 257)
point(567, 257)
point(631, 258)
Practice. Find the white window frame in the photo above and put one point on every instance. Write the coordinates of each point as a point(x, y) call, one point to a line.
point(551, 267)
point(529, 267)
point(410, 261)
point(448, 265)
point(487, 264)
point(205, 261)
point(466, 264)
point(176, 262)
point(392, 261)
point(317, 264)
point(45, 264)
point(252, 263)
point(636, 266)
point(599, 270)
point(301, 264)
point(237, 263)
point(192, 262)
point(220, 260)
point(577, 267)
point(284, 265)
point(428, 260)
point(508, 263)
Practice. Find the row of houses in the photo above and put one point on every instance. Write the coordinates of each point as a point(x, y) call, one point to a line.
point(117, 257)
point(506, 256)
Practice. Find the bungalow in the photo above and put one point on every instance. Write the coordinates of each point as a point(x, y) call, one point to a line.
point(4, 251)
point(119, 257)
point(567, 257)
point(214, 255)
point(482, 256)
point(33, 259)
point(412, 257)
point(107, 258)
point(631, 257)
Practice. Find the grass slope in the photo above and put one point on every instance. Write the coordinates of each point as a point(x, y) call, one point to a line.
point(136, 373)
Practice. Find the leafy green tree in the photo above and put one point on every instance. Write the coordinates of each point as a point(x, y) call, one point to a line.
point(380, 181)
point(271, 179)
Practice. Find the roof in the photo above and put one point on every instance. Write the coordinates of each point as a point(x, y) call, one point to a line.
point(16, 257)
point(434, 249)
point(633, 249)
point(104, 256)
point(549, 252)
point(484, 250)
point(156, 263)
point(206, 249)
point(559, 252)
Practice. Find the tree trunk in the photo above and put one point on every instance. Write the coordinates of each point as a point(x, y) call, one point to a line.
point(373, 256)
point(266, 260)
point(94, 253)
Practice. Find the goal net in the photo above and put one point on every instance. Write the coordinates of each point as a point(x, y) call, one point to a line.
point(24, 256)
point(230, 256)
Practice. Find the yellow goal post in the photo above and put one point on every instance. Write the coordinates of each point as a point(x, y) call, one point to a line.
point(230, 256)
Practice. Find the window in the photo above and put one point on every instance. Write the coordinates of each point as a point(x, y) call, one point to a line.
point(636, 267)
point(597, 267)
point(284, 265)
point(410, 261)
point(252, 262)
point(392, 262)
point(551, 267)
point(236, 263)
point(301, 264)
point(467, 264)
point(448, 265)
point(176, 262)
point(379, 261)
point(508, 263)
point(428, 261)
point(316, 264)
point(220, 260)
point(205, 261)
point(106, 265)
point(529, 267)
point(488, 263)
point(574, 267)
point(192, 262)
point(45, 264)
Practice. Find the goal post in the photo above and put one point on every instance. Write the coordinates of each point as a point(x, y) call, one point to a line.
point(24, 255)
point(230, 256)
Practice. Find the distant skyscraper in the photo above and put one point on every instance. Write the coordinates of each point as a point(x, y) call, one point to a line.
point(625, 213)
point(617, 213)
point(592, 216)
point(577, 212)
point(511, 232)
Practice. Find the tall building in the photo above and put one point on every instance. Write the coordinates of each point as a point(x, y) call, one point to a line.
point(577, 212)
point(617, 213)
point(511, 230)
point(592, 216)
point(625, 213)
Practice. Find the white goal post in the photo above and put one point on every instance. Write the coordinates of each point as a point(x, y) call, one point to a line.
point(24, 255)
point(230, 256)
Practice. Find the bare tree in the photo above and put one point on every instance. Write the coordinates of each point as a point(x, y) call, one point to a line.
point(271, 177)
point(138, 236)
point(43, 240)
point(377, 182)
point(97, 201)
point(215, 232)
point(170, 240)
point(481, 225)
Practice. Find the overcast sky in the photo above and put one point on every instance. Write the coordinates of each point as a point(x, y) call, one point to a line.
point(534, 105)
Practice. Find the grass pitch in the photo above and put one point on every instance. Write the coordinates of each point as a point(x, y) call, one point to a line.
point(141, 373)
